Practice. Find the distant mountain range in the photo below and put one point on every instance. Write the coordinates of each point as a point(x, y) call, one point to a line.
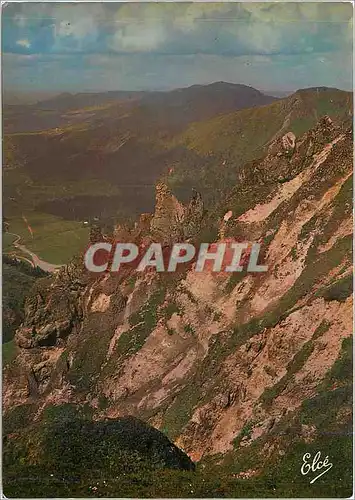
point(199, 101)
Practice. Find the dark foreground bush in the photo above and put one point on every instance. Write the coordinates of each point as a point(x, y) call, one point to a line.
point(113, 446)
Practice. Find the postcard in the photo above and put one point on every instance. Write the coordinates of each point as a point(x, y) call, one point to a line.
point(177, 243)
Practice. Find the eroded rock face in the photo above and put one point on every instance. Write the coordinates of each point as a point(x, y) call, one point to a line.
point(205, 356)
point(50, 315)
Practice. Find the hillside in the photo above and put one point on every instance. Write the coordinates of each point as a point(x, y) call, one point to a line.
point(229, 141)
point(243, 372)
point(118, 448)
point(60, 110)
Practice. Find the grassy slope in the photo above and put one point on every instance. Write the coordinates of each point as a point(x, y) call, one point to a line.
point(245, 131)
point(54, 239)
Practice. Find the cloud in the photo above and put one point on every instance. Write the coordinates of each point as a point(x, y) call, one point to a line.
point(23, 43)
point(76, 25)
point(215, 28)
point(138, 38)
point(162, 45)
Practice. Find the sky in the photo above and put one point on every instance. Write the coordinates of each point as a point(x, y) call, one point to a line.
point(78, 47)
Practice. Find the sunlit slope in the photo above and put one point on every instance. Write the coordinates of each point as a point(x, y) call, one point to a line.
point(226, 142)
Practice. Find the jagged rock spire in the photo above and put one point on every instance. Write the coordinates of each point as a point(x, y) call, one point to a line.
point(172, 221)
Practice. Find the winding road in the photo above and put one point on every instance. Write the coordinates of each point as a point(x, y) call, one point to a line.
point(36, 261)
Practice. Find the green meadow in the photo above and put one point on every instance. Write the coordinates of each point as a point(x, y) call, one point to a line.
point(53, 239)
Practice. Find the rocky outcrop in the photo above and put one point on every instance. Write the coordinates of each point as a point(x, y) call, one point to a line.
point(54, 309)
point(166, 224)
point(289, 142)
point(172, 221)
